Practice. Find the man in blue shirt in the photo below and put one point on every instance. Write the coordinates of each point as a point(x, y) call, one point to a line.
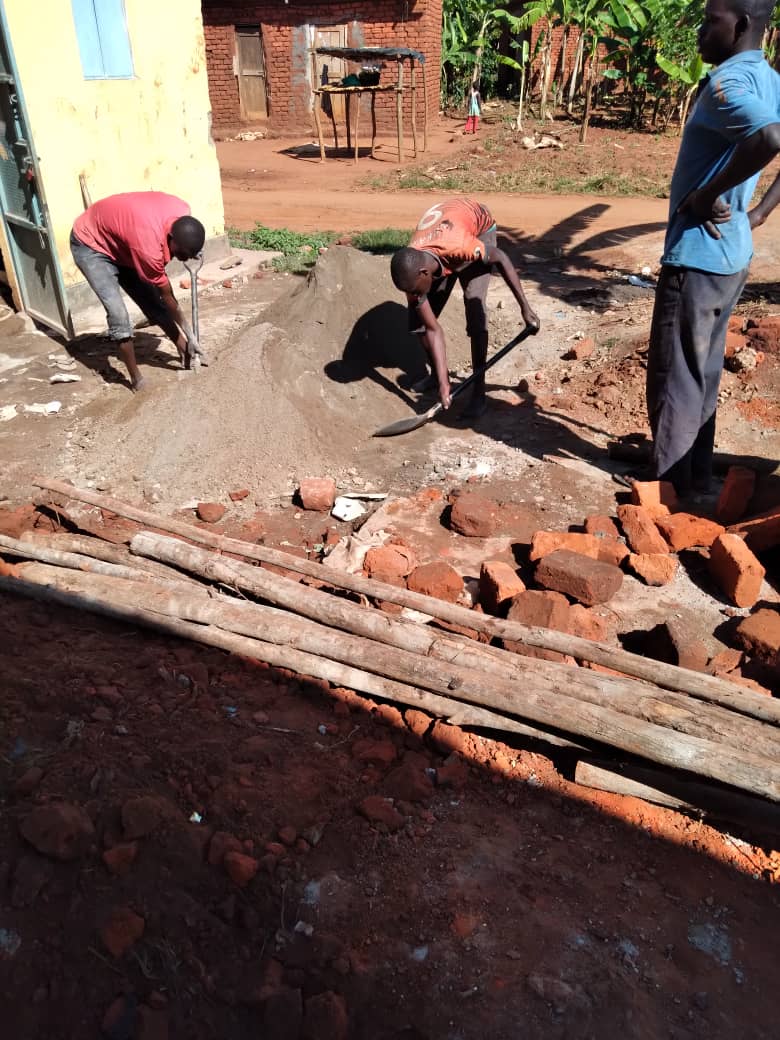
point(732, 134)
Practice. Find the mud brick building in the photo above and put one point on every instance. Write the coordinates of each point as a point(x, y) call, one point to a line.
point(258, 54)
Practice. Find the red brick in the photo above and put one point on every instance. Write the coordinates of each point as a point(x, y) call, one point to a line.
point(581, 349)
point(760, 635)
point(210, 512)
point(658, 497)
point(378, 752)
point(589, 581)
point(475, 515)
point(436, 579)
point(538, 609)
point(122, 930)
point(389, 560)
point(601, 526)
point(736, 494)
point(545, 542)
point(318, 493)
point(240, 868)
point(735, 342)
point(684, 530)
point(377, 809)
point(641, 533)
point(653, 568)
point(725, 661)
point(676, 642)
point(760, 533)
point(736, 570)
point(498, 583)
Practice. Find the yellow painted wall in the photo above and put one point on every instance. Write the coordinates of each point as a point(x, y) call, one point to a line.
point(150, 133)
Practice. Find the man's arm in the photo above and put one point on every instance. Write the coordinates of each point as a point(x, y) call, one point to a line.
point(750, 156)
point(502, 262)
point(762, 209)
point(435, 346)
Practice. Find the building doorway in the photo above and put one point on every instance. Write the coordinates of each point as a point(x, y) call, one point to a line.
point(250, 68)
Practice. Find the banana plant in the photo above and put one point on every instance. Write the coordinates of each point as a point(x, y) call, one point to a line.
point(687, 78)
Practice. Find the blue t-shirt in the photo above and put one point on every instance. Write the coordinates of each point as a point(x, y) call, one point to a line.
point(740, 97)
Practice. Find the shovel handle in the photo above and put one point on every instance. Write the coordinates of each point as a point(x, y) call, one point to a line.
point(529, 330)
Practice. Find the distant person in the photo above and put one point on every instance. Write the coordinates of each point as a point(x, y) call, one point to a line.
point(732, 134)
point(455, 241)
point(473, 109)
point(124, 242)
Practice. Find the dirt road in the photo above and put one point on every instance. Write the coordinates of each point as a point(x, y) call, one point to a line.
point(282, 183)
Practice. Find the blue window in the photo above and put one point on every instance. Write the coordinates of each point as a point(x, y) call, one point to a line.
point(104, 43)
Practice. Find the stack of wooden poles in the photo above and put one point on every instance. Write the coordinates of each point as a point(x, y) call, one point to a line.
point(646, 728)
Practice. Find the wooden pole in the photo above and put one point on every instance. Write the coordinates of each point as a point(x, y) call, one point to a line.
point(318, 122)
point(373, 122)
point(399, 110)
point(29, 550)
point(425, 105)
point(348, 111)
point(706, 687)
point(675, 711)
point(675, 792)
point(359, 99)
point(695, 683)
point(413, 91)
point(746, 771)
point(457, 713)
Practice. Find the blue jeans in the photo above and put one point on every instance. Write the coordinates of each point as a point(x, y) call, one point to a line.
point(107, 278)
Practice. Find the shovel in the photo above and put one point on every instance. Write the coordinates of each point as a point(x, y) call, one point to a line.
point(193, 273)
point(416, 421)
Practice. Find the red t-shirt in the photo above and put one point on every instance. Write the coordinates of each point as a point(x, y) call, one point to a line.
point(450, 231)
point(132, 229)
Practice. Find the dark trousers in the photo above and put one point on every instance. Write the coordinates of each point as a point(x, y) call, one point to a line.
point(684, 366)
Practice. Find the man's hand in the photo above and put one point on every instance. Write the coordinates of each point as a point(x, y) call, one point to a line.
point(709, 211)
point(531, 319)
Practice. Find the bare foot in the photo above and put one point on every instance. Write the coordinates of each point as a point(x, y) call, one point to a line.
point(139, 384)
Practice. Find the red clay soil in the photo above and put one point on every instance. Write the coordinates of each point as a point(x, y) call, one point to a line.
point(489, 892)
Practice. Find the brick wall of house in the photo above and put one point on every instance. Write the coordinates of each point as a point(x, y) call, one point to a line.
point(372, 23)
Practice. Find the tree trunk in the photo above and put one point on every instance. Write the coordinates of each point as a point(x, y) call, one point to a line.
point(575, 73)
point(588, 76)
point(706, 687)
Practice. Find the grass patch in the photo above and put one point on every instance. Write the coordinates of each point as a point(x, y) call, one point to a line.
point(385, 240)
point(471, 178)
point(300, 249)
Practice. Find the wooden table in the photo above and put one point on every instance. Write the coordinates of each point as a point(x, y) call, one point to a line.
point(348, 93)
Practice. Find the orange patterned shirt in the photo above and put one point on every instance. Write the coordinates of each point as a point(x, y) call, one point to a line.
point(450, 231)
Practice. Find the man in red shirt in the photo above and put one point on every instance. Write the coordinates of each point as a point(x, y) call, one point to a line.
point(124, 242)
point(455, 241)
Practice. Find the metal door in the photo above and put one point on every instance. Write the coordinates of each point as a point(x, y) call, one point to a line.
point(25, 216)
point(331, 70)
point(251, 73)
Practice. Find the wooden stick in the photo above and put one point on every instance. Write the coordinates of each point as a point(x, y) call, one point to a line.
point(359, 99)
point(399, 110)
point(412, 87)
point(280, 656)
point(706, 687)
point(318, 123)
point(675, 792)
point(348, 114)
point(544, 704)
point(32, 551)
point(675, 711)
point(109, 552)
point(425, 105)
point(373, 123)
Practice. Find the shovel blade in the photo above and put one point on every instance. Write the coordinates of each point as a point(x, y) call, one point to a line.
point(407, 425)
